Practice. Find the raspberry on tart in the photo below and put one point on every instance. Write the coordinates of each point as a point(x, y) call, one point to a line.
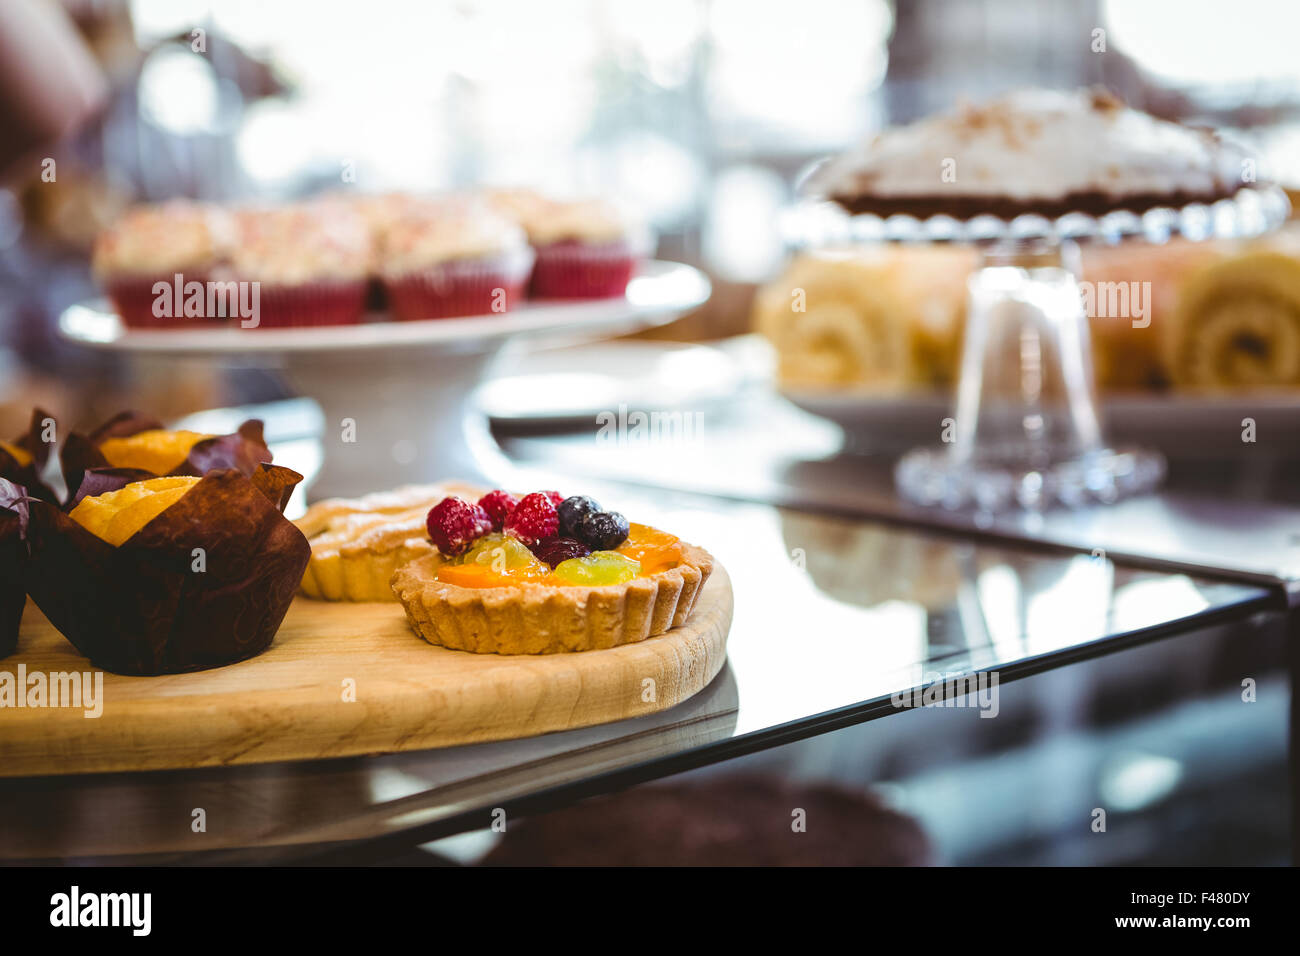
point(498, 504)
point(454, 524)
point(534, 518)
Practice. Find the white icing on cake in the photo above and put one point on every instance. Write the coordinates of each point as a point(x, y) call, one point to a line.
point(1035, 145)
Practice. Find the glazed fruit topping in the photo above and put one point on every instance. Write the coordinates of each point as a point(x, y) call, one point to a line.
point(504, 554)
point(504, 541)
point(572, 511)
point(556, 550)
point(533, 519)
point(656, 550)
point(604, 530)
point(454, 524)
point(498, 504)
point(495, 560)
point(598, 569)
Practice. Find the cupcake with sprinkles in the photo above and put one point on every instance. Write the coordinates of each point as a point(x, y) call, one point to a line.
point(310, 263)
point(379, 210)
point(452, 256)
point(153, 250)
point(586, 249)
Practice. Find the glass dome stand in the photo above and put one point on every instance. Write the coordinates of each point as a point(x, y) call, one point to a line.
point(1026, 431)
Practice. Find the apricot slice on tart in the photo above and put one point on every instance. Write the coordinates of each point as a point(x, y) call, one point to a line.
point(655, 550)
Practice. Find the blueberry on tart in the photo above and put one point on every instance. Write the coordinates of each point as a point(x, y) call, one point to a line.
point(549, 580)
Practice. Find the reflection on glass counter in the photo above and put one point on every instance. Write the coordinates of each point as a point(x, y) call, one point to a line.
point(835, 618)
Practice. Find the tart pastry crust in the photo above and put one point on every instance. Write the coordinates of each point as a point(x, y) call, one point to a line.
point(543, 619)
point(358, 543)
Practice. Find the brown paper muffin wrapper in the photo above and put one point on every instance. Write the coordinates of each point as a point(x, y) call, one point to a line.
point(13, 563)
point(466, 287)
point(145, 607)
point(29, 475)
point(583, 270)
point(244, 450)
point(535, 619)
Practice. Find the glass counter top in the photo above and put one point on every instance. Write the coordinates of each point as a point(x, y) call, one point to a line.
point(837, 620)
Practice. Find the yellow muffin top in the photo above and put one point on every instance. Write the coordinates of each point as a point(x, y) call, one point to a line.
point(116, 515)
point(156, 450)
point(20, 455)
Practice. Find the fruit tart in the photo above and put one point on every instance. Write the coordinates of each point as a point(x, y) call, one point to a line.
point(169, 574)
point(357, 543)
point(13, 562)
point(22, 461)
point(543, 574)
point(136, 446)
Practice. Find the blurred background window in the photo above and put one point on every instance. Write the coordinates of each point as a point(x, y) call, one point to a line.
point(697, 113)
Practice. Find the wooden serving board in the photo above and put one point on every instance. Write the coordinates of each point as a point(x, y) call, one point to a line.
point(291, 703)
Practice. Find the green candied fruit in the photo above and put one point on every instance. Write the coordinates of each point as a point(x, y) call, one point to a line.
point(502, 553)
point(598, 568)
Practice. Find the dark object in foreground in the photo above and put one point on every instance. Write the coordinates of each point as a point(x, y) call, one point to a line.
point(204, 583)
point(739, 821)
point(13, 561)
point(22, 461)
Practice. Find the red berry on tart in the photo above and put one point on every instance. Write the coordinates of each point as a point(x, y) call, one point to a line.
point(533, 519)
point(454, 524)
point(498, 504)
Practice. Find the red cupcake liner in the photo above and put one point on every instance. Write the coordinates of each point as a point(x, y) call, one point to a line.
point(451, 289)
point(308, 304)
point(134, 299)
point(573, 269)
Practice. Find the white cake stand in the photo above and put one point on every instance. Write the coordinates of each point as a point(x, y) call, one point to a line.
point(395, 395)
point(1025, 431)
